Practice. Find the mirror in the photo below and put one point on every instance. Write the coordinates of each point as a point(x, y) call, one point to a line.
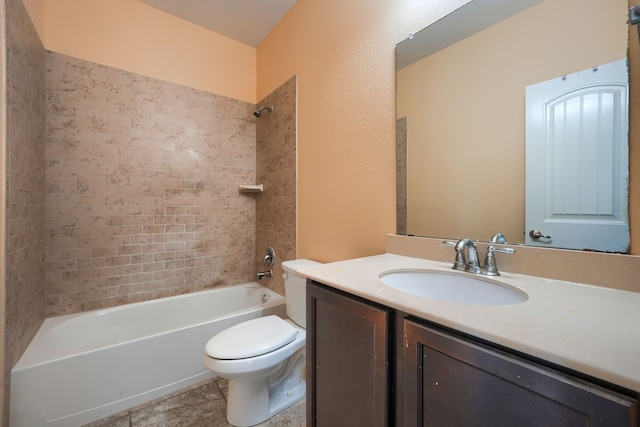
point(461, 106)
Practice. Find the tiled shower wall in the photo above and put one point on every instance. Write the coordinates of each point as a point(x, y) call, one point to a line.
point(401, 175)
point(142, 188)
point(276, 170)
point(25, 180)
point(122, 188)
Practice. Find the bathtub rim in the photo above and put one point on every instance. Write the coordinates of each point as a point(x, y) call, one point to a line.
point(26, 362)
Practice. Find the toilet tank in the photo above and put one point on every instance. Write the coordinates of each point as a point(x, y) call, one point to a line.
point(295, 290)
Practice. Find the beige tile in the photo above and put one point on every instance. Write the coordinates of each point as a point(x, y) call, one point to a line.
point(203, 406)
point(26, 166)
point(118, 420)
point(136, 175)
point(294, 416)
point(276, 170)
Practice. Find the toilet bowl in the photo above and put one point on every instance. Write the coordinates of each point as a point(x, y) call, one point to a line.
point(264, 358)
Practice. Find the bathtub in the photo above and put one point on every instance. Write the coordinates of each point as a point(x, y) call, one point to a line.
point(86, 366)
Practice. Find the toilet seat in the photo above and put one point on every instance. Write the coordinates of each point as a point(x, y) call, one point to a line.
point(251, 338)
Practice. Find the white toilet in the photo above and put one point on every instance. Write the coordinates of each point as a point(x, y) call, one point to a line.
point(264, 358)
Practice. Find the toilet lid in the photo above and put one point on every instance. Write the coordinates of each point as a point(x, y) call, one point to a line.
point(251, 338)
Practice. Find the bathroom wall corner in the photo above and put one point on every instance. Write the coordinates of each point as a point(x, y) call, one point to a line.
point(24, 145)
point(4, 390)
point(276, 169)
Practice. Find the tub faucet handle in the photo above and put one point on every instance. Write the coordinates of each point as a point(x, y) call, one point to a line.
point(269, 257)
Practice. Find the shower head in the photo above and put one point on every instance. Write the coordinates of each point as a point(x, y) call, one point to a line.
point(258, 112)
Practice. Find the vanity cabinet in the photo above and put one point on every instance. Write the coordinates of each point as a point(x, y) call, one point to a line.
point(452, 381)
point(371, 365)
point(348, 378)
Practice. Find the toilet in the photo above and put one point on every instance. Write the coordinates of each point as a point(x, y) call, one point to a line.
point(264, 358)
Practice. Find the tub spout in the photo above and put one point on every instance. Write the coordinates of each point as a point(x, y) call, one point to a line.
point(263, 274)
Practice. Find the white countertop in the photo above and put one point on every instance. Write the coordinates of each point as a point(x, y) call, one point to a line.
point(589, 329)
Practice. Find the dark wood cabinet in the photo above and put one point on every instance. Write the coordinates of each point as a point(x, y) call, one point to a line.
point(347, 361)
point(370, 365)
point(451, 381)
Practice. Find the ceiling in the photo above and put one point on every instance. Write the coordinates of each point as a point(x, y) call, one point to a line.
point(247, 21)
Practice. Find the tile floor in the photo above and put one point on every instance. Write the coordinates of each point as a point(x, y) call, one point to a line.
point(202, 404)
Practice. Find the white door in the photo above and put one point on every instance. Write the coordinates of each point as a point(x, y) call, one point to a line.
point(577, 160)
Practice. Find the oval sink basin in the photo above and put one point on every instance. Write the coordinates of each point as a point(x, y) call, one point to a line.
point(452, 287)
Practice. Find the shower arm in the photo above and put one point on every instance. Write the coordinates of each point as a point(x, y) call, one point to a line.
point(258, 112)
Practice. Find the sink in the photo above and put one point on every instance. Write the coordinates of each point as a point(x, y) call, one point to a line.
point(453, 287)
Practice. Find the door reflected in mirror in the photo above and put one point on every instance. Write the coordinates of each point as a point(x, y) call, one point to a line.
point(461, 109)
point(577, 160)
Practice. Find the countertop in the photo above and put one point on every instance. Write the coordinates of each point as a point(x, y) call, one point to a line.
point(589, 329)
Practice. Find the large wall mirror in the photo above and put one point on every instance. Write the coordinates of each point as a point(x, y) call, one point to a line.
point(461, 105)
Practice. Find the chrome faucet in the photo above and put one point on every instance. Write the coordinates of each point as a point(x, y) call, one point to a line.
point(470, 262)
point(264, 274)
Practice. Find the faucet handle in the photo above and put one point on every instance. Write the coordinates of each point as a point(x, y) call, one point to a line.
point(461, 262)
point(498, 238)
point(502, 250)
point(269, 257)
point(490, 265)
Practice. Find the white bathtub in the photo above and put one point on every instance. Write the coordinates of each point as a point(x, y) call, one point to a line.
point(86, 366)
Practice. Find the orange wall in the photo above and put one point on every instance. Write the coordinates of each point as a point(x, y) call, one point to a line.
point(35, 8)
point(133, 36)
point(344, 55)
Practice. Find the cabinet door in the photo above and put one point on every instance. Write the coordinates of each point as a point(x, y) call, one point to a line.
point(347, 361)
point(450, 381)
